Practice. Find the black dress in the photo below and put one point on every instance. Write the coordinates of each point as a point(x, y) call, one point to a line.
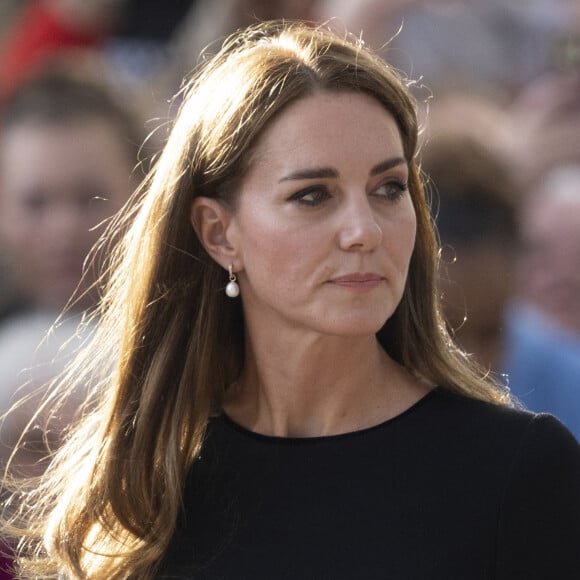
point(452, 489)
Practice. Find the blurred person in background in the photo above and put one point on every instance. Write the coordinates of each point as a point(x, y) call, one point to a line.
point(485, 278)
point(475, 216)
point(543, 319)
point(67, 155)
point(543, 360)
point(44, 29)
point(550, 257)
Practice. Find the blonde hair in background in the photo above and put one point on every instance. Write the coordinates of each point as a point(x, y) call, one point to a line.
point(169, 342)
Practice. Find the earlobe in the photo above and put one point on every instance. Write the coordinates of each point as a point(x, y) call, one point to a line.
point(210, 220)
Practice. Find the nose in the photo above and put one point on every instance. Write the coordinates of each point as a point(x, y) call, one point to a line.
point(359, 230)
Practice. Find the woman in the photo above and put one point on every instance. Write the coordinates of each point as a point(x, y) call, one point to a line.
point(284, 400)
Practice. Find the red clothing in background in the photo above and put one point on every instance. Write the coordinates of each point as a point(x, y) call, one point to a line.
point(36, 35)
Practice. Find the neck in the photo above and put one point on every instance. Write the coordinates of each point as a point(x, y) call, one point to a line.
point(319, 385)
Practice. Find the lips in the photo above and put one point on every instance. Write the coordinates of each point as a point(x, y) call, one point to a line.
point(358, 280)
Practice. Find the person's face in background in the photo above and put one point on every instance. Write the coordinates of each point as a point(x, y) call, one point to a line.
point(549, 269)
point(57, 183)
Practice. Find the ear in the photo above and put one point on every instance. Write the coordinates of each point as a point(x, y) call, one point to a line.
point(210, 220)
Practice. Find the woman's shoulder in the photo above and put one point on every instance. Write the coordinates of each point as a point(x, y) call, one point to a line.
point(501, 425)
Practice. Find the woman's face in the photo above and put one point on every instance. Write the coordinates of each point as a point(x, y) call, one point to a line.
point(324, 225)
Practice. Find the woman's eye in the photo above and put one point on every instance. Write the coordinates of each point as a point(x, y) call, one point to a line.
point(392, 190)
point(311, 196)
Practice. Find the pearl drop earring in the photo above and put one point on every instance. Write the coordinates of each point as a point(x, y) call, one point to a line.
point(232, 289)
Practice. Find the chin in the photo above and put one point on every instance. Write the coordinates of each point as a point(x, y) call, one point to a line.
point(357, 327)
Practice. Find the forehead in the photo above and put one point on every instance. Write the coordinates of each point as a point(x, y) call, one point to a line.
point(51, 153)
point(55, 136)
point(330, 127)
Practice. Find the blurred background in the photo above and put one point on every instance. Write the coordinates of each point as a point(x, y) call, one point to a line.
point(85, 102)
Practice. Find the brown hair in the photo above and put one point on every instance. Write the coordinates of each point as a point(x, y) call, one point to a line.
point(57, 97)
point(108, 504)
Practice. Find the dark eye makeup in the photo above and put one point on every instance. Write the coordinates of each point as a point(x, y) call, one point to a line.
point(311, 196)
point(390, 190)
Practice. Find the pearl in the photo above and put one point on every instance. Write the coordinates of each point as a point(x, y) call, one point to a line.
point(232, 289)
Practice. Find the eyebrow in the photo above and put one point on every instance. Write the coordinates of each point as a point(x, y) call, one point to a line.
point(330, 172)
point(387, 164)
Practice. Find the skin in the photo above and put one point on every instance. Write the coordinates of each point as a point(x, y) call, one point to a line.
point(321, 238)
point(549, 273)
point(57, 183)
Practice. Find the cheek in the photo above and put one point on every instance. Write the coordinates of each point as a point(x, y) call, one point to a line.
point(272, 252)
point(18, 231)
point(280, 257)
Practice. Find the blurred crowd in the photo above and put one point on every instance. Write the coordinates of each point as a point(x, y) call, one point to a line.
point(86, 93)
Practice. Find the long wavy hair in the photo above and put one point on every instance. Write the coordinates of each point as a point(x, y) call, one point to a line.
point(169, 343)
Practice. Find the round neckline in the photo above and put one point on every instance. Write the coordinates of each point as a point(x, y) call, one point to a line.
point(228, 422)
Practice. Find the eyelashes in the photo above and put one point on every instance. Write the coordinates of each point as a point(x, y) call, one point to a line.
point(311, 196)
point(315, 195)
point(393, 189)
